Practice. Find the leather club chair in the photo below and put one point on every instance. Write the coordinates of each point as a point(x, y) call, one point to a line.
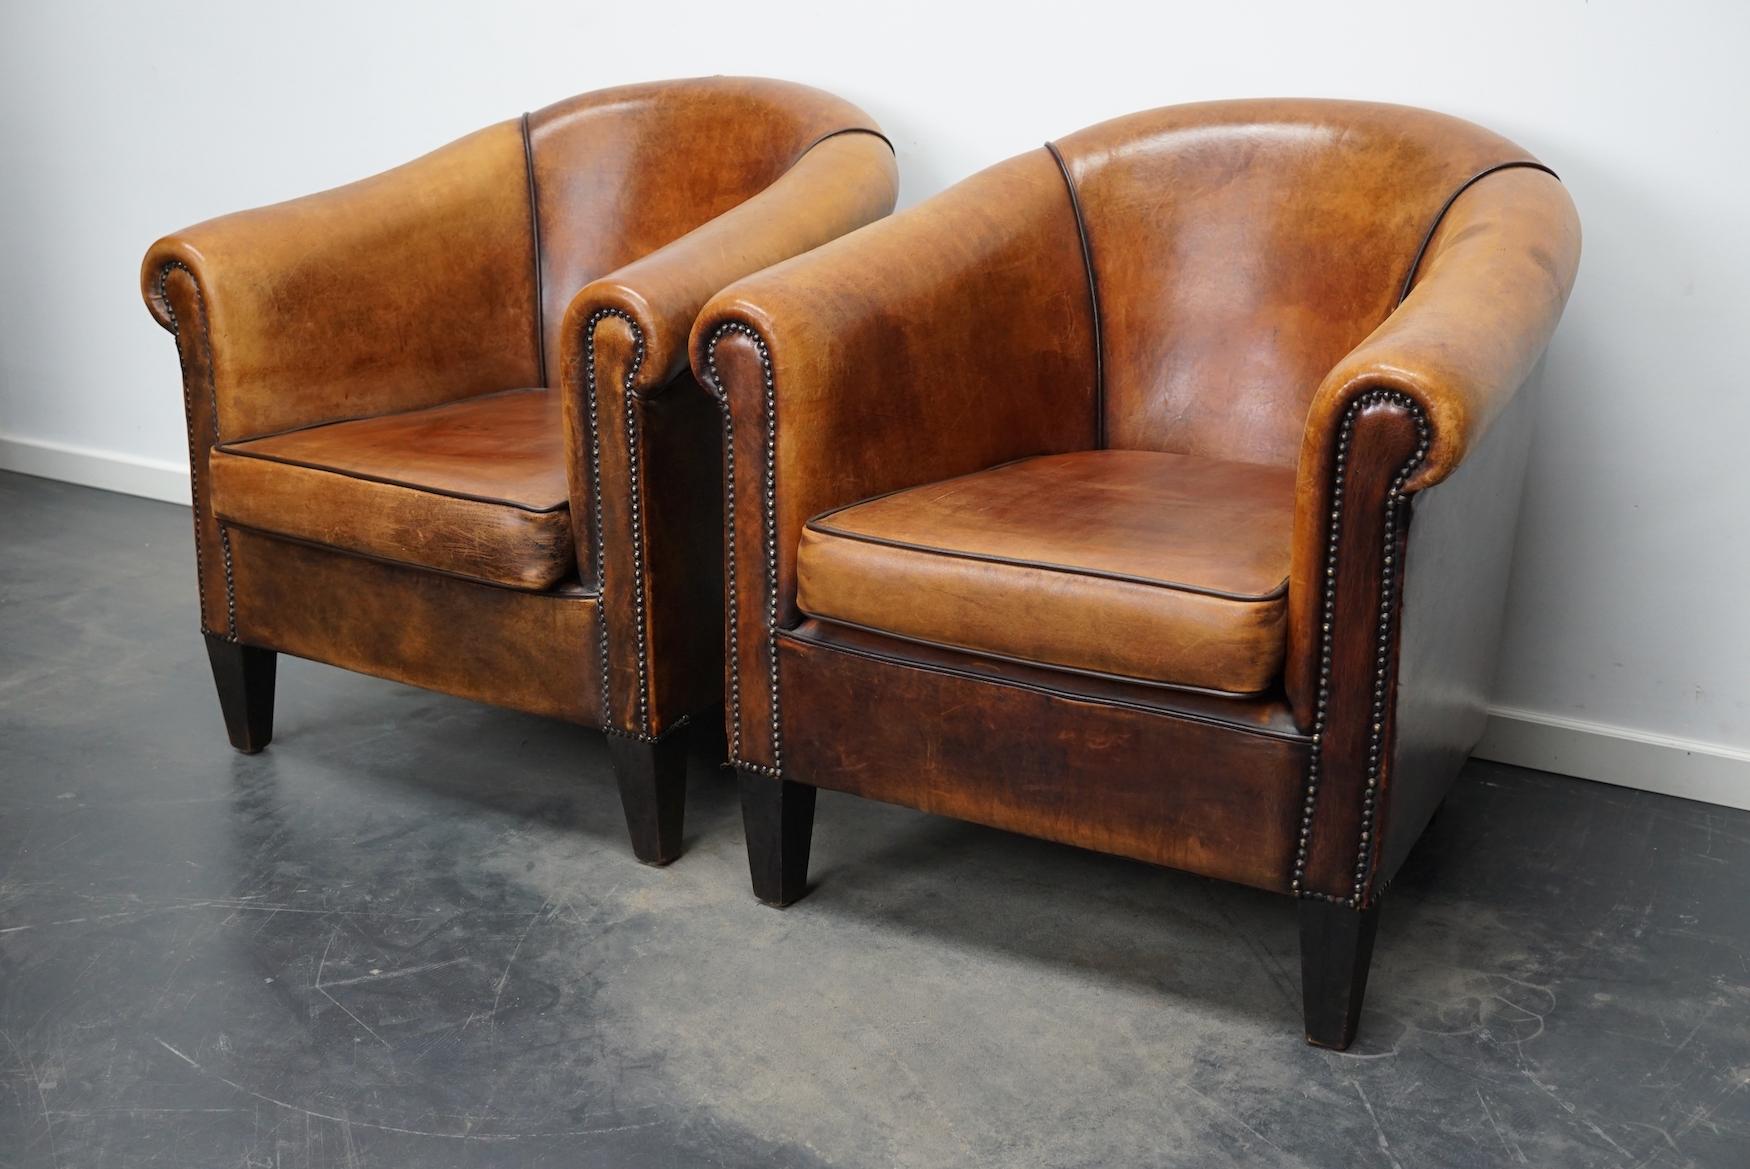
point(433, 426)
point(1151, 492)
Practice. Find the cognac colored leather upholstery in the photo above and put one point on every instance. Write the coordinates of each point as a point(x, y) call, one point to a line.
point(1285, 332)
point(1163, 568)
point(460, 369)
point(1485, 300)
point(1240, 248)
point(475, 487)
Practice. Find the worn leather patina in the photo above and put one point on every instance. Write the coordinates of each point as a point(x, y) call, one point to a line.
point(433, 433)
point(1124, 494)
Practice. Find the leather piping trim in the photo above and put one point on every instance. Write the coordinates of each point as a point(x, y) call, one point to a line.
point(650, 392)
point(1077, 671)
point(194, 481)
point(816, 523)
point(423, 489)
point(1075, 204)
point(321, 422)
point(1409, 283)
point(552, 591)
point(791, 635)
point(836, 133)
point(535, 239)
point(1276, 593)
point(1385, 664)
point(832, 511)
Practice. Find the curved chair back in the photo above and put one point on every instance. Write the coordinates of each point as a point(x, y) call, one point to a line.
point(1239, 249)
point(616, 174)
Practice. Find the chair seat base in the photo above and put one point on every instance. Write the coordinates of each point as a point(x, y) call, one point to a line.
point(533, 652)
point(1190, 781)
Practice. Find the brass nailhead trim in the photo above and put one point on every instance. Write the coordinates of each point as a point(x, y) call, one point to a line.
point(634, 488)
point(645, 737)
point(230, 581)
point(1388, 590)
point(715, 384)
point(194, 471)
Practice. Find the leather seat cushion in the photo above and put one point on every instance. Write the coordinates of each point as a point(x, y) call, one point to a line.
point(1159, 567)
point(475, 488)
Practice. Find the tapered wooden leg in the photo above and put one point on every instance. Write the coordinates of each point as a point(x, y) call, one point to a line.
point(778, 817)
point(1336, 948)
point(244, 676)
point(653, 790)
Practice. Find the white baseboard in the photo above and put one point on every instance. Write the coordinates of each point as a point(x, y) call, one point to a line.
point(110, 470)
point(1710, 772)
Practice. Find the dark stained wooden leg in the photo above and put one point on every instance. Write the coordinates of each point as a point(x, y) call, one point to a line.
point(653, 790)
point(1336, 948)
point(778, 817)
point(244, 676)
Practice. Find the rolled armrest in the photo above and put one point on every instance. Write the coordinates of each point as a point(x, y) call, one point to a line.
point(843, 182)
point(946, 339)
point(1401, 412)
point(1485, 301)
point(409, 288)
point(624, 338)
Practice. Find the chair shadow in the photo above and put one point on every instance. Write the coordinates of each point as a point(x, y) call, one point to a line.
point(1210, 944)
point(1227, 948)
point(388, 737)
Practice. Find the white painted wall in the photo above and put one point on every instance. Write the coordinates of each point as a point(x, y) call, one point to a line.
point(122, 121)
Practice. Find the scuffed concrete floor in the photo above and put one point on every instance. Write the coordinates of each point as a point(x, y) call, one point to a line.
point(411, 934)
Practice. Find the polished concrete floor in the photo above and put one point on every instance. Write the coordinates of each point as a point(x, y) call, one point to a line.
point(411, 934)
